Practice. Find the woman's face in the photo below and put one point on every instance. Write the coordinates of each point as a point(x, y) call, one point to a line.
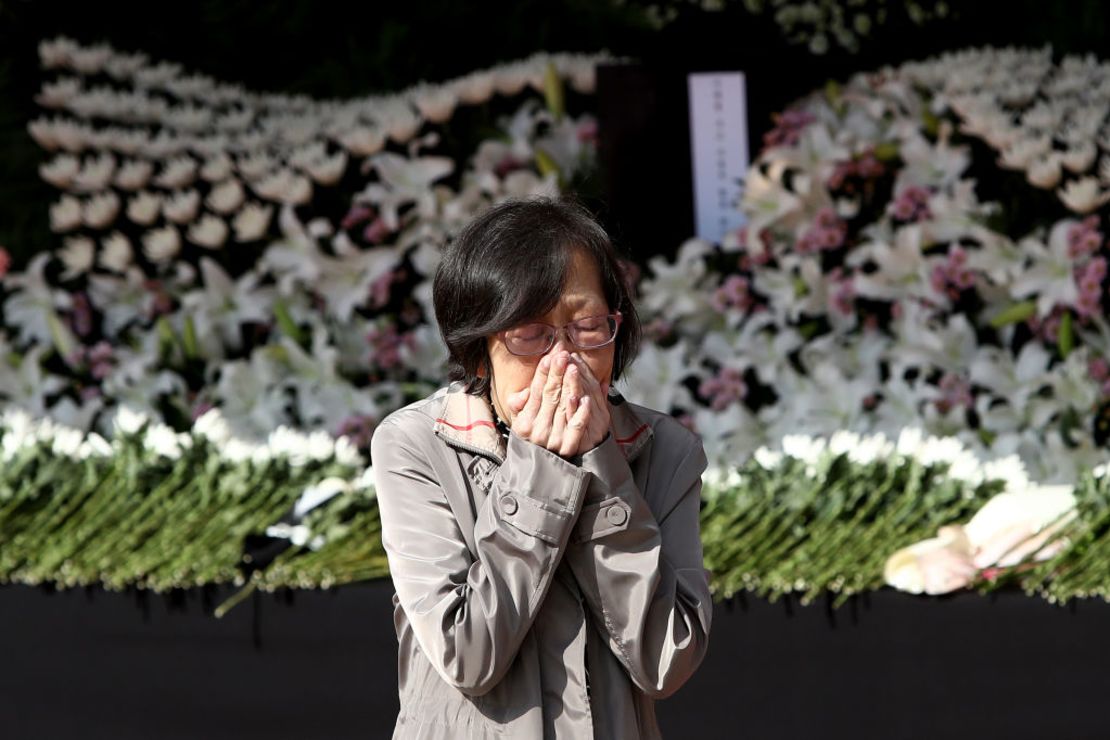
point(582, 296)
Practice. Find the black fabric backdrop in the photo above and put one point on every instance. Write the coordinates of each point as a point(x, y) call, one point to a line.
point(94, 664)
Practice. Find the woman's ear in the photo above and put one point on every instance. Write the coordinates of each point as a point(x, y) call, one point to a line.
point(482, 368)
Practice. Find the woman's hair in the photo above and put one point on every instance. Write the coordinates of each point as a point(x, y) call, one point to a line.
point(508, 266)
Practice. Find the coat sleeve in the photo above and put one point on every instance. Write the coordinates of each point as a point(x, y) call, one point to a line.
point(470, 614)
point(644, 580)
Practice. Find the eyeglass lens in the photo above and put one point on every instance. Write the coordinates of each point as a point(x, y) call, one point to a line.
point(587, 333)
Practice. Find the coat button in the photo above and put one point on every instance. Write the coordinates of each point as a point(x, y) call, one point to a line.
point(616, 515)
point(508, 505)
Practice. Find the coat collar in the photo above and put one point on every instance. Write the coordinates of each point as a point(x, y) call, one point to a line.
point(465, 420)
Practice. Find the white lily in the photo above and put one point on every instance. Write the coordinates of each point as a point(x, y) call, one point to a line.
point(1083, 195)
point(404, 181)
point(654, 378)
point(211, 232)
point(61, 170)
point(226, 197)
point(123, 300)
point(1050, 276)
point(100, 210)
point(144, 208)
point(676, 288)
point(77, 255)
point(32, 306)
point(115, 253)
point(222, 305)
point(252, 221)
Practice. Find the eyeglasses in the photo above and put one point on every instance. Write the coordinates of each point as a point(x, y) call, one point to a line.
point(588, 333)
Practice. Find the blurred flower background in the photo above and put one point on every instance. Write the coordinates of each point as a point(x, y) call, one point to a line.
point(191, 255)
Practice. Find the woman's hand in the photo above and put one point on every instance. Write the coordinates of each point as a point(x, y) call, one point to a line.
point(551, 412)
point(597, 395)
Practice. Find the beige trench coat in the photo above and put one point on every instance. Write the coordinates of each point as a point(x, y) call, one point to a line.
point(539, 597)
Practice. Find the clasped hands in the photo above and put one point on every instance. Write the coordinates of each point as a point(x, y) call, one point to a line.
point(565, 409)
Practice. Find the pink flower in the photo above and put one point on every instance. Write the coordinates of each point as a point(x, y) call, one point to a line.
point(358, 427)
point(910, 204)
point(788, 127)
point(955, 391)
point(200, 408)
point(733, 293)
point(868, 166)
point(1089, 277)
point(844, 297)
point(723, 389)
point(1098, 368)
point(951, 277)
point(356, 215)
point(387, 343)
point(1084, 238)
point(507, 165)
point(379, 289)
point(376, 231)
point(658, 328)
point(828, 232)
point(81, 318)
point(100, 357)
point(587, 130)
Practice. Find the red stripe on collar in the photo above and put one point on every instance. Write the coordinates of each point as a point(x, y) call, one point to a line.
point(632, 438)
point(467, 427)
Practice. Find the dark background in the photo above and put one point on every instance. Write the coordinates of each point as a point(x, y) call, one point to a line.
point(87, 664)
point(333, 49)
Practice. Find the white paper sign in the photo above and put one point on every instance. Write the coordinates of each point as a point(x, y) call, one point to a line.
point(719, 150)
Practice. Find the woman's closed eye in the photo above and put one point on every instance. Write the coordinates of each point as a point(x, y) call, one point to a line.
point(530, 332)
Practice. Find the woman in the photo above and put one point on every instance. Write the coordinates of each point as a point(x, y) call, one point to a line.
point(542, 532)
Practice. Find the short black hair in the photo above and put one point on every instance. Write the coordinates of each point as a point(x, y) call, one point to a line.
point(508, 266)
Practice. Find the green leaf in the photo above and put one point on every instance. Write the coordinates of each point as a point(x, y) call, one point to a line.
point(63, 338)
point(287, 324)
point(553, 91)
point(166, 337)
point(808, 329)
point(189, 341)
point(887, 151)
point(930, 122)
point(1065, 339)
point(1013, 314)
point(546, 164)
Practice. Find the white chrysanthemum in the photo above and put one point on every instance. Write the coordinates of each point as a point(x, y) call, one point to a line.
point(213, 426)
point(163, 440)
point(803, 447)
point(129, 420)
point(767, 458)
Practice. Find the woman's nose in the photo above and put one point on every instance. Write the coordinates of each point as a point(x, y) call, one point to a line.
point(562, 343)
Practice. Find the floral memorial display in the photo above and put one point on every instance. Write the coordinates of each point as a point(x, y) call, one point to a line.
point(898, 366)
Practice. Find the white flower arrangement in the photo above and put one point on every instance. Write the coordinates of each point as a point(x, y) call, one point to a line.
point(191, 277)
point(899, 296)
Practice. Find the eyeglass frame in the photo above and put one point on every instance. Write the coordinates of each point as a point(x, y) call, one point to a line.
point(616, 316)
